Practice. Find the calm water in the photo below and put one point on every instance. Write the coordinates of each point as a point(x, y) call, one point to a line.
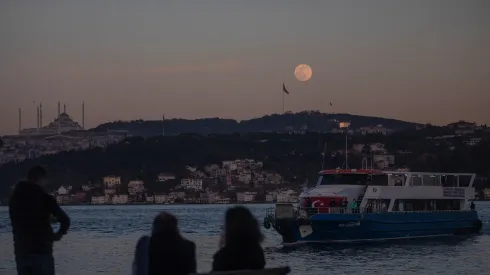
point(102, 240)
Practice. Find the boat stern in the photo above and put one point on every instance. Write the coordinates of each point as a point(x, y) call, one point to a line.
point(284, 219)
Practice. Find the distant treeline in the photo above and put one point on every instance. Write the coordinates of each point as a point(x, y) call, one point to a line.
point(313, 120)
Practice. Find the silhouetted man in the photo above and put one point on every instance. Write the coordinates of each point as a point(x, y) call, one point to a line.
point(30, 210)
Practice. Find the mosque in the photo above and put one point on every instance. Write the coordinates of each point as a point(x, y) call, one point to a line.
point(63, 123)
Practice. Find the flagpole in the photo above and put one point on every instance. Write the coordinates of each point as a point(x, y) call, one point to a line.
point(283, 102)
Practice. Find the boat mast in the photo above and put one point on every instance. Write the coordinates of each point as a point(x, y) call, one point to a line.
point(323, 154)
point(346, 159)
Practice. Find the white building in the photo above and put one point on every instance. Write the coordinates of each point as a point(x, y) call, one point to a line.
point(194, 184)
point(150, 199)
point(230, 165)
point(165, 176)
point(378, 129)
point(472, 141)
point(244, 197)
point(110, 191)
point(384, 161)
point(111, 182)
point(245, 176)
point(270, 197)
point(98, 200)
point(120, 199)
point(136, 187)
point(486, 193)
point(287, 196)
point(160, 198)
point(63, 190)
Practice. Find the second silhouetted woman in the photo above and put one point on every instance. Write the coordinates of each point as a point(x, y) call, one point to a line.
point(169, 252)
point(242, 248)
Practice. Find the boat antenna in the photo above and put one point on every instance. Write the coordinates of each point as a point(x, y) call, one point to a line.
point(323, 154)
point(346, 159)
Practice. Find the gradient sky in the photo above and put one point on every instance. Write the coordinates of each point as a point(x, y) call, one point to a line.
point(416, 60)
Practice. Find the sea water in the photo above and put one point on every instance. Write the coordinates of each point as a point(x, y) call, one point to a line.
point(102, 240)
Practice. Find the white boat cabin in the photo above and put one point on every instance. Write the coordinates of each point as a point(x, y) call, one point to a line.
point(387, 191)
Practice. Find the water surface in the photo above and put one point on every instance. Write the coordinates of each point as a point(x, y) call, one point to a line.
point(102, 240)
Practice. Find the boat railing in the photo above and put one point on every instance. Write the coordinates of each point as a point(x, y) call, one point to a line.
point(302, 211)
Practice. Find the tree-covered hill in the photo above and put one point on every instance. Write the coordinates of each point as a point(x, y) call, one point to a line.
point(313, 120)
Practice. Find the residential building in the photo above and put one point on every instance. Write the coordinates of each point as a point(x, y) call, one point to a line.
point(162, 177)
point(160, 198)
point(98, 200)
point(244, 197)
point(384, 161)
point(194, 184)
point(486, 193)
point(378, 148)
point(63, 190)
point(287, 196)
point(270, 197)
point(136, 187)
point(245, 176)
point(120, 199)
point(150, 198)
point(111, 182)
point(472, 141)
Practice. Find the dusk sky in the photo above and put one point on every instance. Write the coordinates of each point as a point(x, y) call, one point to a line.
point(416, 60)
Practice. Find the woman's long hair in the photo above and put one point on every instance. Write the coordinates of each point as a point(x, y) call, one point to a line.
point(164, 243)
point(165, 226)
point(241, 227)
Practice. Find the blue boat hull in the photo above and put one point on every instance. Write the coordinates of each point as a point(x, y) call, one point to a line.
point(377, 226)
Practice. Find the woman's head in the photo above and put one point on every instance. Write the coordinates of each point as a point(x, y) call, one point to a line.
point(241, 226)
point(165, 223)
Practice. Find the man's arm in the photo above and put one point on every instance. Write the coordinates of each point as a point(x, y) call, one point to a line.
point(62, 217)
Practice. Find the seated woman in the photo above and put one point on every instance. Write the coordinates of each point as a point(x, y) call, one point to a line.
point(166, 251)
point(242, 239)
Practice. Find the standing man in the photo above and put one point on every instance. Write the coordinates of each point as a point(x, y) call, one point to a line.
point(30, 210)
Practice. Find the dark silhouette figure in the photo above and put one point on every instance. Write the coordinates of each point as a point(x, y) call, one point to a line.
point(332, 202)
point(31, 209)
point(472, 206)
point(166, 251)
point(242, 249)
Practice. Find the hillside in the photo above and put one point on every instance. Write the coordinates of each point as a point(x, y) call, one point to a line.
point(295, 157)
point(314, 121)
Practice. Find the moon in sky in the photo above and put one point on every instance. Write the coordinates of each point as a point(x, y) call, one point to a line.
point(303, 72)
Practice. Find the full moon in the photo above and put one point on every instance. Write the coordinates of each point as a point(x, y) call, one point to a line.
point(303, 72)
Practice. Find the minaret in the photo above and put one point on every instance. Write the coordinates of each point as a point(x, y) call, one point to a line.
point(20, 120)
point(64, 108)
point(40, 115)
point(58, 119)
point(37, 126)
point(83, 115)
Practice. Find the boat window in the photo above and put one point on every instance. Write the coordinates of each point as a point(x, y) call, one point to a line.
point(449, 181)
point(426, 205)
point(464, 181)
point(379, 180)
point(345, 179)
point(377, 205)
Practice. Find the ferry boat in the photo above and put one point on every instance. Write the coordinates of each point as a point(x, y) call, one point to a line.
point(350, 205)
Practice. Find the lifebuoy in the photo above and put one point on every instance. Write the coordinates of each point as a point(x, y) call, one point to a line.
point(375, 190)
